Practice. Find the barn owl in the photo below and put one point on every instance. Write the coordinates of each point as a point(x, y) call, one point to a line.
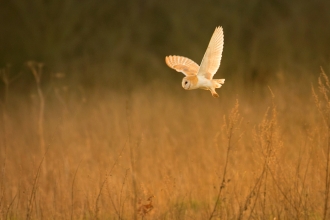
point(201, 77)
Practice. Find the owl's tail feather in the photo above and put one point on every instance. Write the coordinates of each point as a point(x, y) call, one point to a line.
point(218, 82)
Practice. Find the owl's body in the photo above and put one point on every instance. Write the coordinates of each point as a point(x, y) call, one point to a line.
point(201, 77)
point(196, 82)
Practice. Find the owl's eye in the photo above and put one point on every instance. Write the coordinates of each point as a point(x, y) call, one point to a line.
point(185, 82)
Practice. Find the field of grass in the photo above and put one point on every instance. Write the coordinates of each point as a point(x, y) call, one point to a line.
point(156, 151)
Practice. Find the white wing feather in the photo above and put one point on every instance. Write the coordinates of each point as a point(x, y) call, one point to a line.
point(212, 57)
point(182, 64)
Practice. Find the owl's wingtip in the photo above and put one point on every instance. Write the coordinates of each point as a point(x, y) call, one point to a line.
point(167, 61)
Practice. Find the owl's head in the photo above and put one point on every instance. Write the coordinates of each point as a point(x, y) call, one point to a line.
point(186, 83)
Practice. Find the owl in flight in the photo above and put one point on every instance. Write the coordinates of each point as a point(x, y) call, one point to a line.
point(201, 77)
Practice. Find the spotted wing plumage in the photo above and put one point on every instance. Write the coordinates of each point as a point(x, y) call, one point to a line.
point(182, 64)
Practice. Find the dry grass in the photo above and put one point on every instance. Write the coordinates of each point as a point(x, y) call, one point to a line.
point(160, 152)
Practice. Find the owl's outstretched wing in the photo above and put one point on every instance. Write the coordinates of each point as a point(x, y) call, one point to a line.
point(182, 64)
point(212, 57)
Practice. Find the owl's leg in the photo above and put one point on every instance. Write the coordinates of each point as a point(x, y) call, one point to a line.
point(214, 93)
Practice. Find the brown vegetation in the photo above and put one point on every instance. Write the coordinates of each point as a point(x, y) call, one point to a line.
point(159, 152)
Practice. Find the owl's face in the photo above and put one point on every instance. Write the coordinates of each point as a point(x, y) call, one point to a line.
point(186, 83)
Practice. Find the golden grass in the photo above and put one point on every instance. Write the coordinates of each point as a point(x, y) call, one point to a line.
point(160, 152)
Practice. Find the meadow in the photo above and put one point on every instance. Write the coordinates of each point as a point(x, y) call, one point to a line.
point(155, 151)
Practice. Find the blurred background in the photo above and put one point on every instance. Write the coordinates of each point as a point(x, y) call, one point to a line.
point(100, 42)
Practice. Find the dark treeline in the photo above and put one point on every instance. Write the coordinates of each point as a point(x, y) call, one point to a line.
point(261, 37)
